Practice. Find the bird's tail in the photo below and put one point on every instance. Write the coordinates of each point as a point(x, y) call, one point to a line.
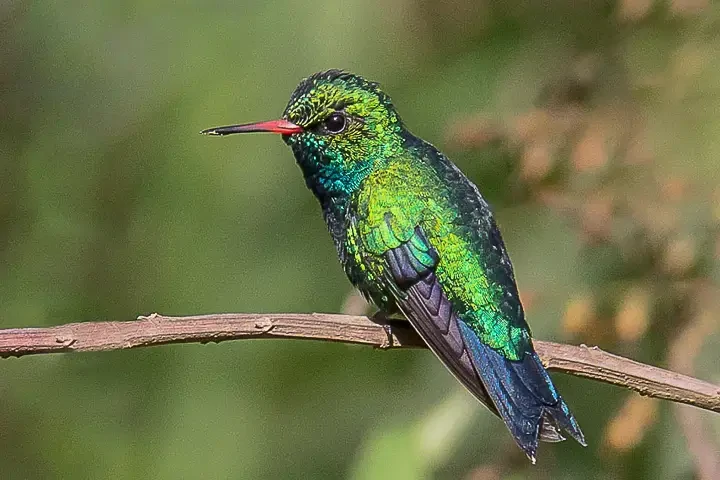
point(524, 396)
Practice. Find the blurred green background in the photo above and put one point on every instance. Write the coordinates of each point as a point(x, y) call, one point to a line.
point(592, 127)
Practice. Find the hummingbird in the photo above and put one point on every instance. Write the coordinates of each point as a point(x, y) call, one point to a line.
point(415, 236)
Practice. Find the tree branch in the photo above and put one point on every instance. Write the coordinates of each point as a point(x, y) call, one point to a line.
point(582, 361)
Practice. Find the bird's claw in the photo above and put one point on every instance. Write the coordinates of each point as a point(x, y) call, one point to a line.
point(383, 320)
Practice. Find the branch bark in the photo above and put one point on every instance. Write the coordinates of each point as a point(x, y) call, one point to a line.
point(582, 361)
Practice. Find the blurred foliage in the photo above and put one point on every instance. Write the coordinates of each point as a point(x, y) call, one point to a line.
point(590, 126)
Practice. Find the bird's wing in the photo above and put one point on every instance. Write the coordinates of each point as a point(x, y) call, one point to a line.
point(490, 354)
point(417, 292)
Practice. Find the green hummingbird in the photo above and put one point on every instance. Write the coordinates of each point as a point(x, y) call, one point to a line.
point(416, 237)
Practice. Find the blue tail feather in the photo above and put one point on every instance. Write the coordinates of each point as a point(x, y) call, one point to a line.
point(523, 394)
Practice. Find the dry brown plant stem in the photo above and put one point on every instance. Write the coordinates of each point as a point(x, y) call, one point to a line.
point(582, 361)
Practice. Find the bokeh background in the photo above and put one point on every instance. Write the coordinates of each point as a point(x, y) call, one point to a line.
point(591, 126)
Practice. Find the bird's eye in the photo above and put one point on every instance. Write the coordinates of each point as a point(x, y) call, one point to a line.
point(335, 123)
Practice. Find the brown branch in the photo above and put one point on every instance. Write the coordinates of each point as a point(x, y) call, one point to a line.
point(588, 362)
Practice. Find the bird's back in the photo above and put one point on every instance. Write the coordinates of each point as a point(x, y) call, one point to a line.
point(422, 188)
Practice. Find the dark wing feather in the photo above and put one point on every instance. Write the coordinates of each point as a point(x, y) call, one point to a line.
point(520, 392)
point(422, 300)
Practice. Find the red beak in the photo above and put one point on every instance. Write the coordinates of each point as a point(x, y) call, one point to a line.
point(273, 126)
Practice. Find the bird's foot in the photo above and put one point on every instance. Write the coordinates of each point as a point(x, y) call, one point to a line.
point(384, 320)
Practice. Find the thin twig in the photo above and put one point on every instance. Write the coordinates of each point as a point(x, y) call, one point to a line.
point(588, 362)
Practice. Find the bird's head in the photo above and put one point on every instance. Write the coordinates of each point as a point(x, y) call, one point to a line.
point(340, 127)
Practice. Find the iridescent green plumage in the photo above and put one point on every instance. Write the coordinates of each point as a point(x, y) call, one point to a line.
point(410, 193)
point(415, 236)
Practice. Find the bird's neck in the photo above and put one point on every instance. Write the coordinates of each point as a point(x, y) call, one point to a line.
point(332, 186)
point(334, 179)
